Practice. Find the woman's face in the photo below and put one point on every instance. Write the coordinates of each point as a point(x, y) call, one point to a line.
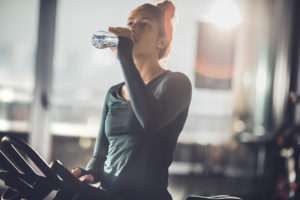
point(145, 33)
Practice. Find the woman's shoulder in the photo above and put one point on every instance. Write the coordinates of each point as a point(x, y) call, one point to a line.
point(177, 85)
point(177, 77)
point(113, 89)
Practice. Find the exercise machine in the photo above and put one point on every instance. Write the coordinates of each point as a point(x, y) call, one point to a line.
point(24, 182)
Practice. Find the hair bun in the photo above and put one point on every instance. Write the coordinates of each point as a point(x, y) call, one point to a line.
point(168, 9)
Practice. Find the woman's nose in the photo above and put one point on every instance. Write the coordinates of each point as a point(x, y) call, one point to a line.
point(134, 27)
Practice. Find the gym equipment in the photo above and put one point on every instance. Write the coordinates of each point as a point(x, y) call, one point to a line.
point(24, 183)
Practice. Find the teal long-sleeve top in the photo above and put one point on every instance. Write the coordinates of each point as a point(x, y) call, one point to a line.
point(137, 138)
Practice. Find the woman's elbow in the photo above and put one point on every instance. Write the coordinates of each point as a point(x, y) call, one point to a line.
point(149, 125)
point(146, 126)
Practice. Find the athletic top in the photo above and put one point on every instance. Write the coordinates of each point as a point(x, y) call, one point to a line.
point(137, 138)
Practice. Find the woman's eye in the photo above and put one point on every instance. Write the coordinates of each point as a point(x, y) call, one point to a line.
point(144, 24)
point(140, 24)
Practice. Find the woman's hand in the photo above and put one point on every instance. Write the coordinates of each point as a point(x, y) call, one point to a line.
point(76, 172)
point(86, 178)
point(122, 32)
point(126, 41)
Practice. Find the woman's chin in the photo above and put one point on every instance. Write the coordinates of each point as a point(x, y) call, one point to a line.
point(139, 52)
point(140, 55)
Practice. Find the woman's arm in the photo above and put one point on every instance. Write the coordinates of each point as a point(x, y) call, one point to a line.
point(96, 164)
point(153, 112)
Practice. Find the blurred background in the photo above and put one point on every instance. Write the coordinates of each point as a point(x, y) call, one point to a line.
point(242, 57)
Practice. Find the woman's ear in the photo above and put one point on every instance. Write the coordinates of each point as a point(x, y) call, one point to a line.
point(162, 42)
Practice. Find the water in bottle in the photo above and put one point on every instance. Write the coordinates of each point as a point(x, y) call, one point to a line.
point(104, 39)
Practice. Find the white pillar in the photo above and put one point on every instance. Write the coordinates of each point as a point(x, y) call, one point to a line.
point(40, 137)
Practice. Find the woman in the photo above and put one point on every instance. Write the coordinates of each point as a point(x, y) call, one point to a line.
point(143, 116)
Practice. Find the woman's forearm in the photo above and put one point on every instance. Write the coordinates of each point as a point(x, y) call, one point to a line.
point(152, 111)
point(143, 102)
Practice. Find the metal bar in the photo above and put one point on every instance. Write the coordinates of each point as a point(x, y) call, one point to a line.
point(294, 65)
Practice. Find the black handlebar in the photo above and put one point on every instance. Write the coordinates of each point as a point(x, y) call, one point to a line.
point(24, 182)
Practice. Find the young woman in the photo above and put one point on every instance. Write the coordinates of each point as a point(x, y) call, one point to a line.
point(143, 116)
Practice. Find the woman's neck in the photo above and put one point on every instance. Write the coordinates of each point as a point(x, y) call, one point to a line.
point(148, 69)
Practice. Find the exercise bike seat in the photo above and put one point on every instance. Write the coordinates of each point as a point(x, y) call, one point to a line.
point(218, 197)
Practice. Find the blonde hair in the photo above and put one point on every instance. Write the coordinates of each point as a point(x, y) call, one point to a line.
point(164, 13)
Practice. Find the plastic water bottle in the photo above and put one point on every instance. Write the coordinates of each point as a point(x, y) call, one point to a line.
point(104, 39)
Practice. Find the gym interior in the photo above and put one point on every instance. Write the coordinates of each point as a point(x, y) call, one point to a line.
point(242, 133)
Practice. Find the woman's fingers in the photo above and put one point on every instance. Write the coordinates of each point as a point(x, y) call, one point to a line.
point(76, 172)
point(87, 178)
point(121, 32)
point(114, 50)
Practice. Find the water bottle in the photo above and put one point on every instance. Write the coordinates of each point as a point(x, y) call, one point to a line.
point(104, 39)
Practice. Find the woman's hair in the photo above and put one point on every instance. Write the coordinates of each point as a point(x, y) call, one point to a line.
point(164, 13)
